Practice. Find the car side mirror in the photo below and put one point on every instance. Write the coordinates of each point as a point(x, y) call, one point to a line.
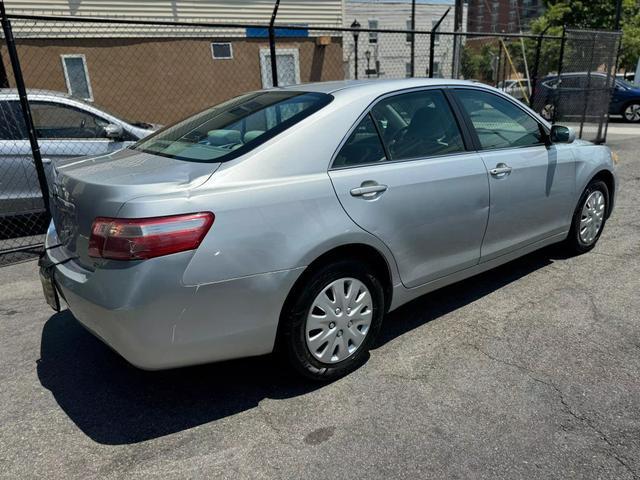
point(562, 134)
point(113, 131)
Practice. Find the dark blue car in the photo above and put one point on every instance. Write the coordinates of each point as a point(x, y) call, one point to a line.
point(587, 94)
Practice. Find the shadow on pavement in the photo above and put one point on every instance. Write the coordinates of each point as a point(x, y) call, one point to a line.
point(115, 403)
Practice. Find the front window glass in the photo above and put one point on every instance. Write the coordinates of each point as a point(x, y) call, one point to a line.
point(498, 122)
point(53, 120)
point(418, 125)
point(233, 127)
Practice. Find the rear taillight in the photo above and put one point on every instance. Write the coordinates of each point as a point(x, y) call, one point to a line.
point(141, 238)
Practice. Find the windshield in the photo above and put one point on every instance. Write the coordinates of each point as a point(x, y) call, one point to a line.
point(233, 127)
point(626, 83)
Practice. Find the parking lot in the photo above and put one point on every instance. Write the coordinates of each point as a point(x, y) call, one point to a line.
point(528, 371)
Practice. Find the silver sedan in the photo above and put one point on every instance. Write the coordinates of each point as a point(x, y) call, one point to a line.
point(293, 219)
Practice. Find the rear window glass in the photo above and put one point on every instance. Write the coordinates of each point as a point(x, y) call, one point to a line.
point(233, 127)
point(11, 121)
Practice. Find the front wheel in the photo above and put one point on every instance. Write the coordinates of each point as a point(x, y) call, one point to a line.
point(332, 321)
point(589, 218)
point(631, 112)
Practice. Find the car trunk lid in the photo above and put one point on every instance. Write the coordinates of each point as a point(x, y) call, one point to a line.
point(86, 188)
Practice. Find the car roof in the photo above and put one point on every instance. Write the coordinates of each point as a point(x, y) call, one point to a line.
point(374, 86)
point(35, 91)
point(576, 74)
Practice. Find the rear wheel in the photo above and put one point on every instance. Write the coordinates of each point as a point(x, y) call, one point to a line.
point(330, 325)
point(631, 112)
point(589, 218)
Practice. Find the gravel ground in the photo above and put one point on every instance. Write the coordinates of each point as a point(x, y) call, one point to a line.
point(529, 371)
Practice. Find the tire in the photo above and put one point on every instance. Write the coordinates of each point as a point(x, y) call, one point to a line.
point(578, 242)
point(300, 317)
point(631, 112)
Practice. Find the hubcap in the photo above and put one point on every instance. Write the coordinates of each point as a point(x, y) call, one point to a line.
point(632, 112)
point(339, 320)
point(592, 217)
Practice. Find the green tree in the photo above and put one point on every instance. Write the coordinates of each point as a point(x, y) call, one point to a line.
point(592, 14)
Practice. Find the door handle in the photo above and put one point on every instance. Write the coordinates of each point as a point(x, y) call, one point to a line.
point(368, 191)
point(501, 170)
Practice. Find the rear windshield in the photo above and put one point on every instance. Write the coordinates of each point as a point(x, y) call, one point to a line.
point(233, 127)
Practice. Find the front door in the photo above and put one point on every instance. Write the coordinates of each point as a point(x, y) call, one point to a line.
point(418, 189)
point(65, 131)
point(532, 184)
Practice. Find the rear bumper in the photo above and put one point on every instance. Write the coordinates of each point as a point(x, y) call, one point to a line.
point(145, 313)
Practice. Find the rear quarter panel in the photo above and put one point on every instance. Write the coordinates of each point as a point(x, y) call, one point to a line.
point(275, 207)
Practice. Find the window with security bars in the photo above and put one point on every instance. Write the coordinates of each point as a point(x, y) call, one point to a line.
point(77, 76)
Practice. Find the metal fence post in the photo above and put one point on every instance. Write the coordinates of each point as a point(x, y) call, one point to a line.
point(559, 87)
point(603, 136)
point(499, 64)
point(413, 38)
point(24, 103)
point(533, 81)
point(588, 90)
point(272, 45)
point(503, 70)
point(432, 42)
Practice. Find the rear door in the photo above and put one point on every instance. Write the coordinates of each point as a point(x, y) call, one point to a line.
point(405, 175)
point(532, 184)
point(19, 188)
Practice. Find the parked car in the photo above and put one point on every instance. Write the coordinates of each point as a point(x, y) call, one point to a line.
point(66, 127)
point(580, 89)
point(294, 219)
point(518, 89)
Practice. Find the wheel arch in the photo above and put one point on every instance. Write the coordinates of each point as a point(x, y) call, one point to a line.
point(607, 177)
point(351, 251)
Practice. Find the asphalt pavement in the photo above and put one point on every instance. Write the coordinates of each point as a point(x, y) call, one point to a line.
point(528, 371)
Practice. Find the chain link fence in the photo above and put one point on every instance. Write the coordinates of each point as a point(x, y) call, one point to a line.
point(581, 93)
point(23, 216)
point(95, 85)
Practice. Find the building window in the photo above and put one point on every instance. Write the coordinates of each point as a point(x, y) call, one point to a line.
point(221, 51)
point(436, 38)
point(436, 69)
point(288, 64)
point(76, 76)
point(409, 35)
point(373, 36)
